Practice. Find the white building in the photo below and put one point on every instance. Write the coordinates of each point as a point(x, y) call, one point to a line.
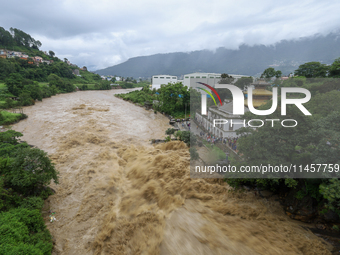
point(191, 80)
point(158, 80)
point(221, 112)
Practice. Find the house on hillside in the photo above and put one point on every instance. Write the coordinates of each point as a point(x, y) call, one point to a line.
point(84, 68)
point(38, 59)
point(10, 54)
point(3, 53)
point(75, 72)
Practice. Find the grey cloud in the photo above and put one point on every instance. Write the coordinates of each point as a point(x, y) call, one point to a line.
point(103, 33)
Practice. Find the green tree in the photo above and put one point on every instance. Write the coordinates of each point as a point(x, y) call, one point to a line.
point(323, 104)
point(51, 54)
point(10, 137)
point(188, 137)
point(6, 38)
point(9, 103)
point(30, 171)
point(174, 98)
point(226, 79)
point(6, 68)
point(23, 231)
point(193, 153)
point(278, 74)
point(334, 70)
point(325, 135)
point(244, 81)
point(14, 83)
point(270, 73)
point(25, 99)
point(274, 145)
point(170, 131)
point(312, 70)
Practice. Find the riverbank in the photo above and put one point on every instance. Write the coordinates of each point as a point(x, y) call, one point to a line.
point(8, 118)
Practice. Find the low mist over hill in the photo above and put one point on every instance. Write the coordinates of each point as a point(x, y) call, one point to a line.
point(248, 60)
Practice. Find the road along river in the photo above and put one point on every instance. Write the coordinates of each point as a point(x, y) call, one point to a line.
point(120, 195)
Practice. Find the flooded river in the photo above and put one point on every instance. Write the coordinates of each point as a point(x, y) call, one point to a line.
point(120, 195)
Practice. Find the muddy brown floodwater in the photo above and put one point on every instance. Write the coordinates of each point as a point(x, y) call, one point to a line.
point(120, 195)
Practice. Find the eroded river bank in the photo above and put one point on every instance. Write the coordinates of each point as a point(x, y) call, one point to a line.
point(120, 195)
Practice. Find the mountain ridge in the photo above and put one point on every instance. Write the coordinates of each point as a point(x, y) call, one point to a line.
point(285, 55)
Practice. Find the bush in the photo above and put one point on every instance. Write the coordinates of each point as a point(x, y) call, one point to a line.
point(8, 199)
point(331, 192)
point(32, 203)
point(23, 172)
point(7, 118)
point(170, 131)
point(23, 231)
point(30, 171)
point(188, 137)
point(193, 153)
point(9, 137)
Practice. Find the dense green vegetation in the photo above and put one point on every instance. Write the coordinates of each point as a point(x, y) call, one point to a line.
point(27, 80)
point(25, 173)
point(7, 118)
point(315, 140)
point(172, 99)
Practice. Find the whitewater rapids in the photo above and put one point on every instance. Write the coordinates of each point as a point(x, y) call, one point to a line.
point(120, 195)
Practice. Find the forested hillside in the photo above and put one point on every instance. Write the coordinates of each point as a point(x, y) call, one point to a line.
point(246, 60)
point(28, 74)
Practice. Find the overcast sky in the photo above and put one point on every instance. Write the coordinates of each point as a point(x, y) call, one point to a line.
point(103, 33)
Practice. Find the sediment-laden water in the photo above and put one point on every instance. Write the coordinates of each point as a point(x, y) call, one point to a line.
point(120, 195)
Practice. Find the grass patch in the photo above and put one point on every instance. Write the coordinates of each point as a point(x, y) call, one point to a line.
point(220, 154)
point(7, 118)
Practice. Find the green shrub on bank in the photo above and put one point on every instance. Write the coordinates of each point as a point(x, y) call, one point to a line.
point(23, 231)
point(7, 118)
point(25, 173)
point(193, 153)
point(172, 99)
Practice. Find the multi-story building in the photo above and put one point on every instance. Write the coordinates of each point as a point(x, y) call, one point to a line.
point(224, 112)
point(38, 59)
point(158, 80)
point(191, 80)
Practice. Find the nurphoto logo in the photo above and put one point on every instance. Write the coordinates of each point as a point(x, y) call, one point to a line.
point(238, 103)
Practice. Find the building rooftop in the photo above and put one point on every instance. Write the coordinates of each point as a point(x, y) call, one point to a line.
point(227, 107)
